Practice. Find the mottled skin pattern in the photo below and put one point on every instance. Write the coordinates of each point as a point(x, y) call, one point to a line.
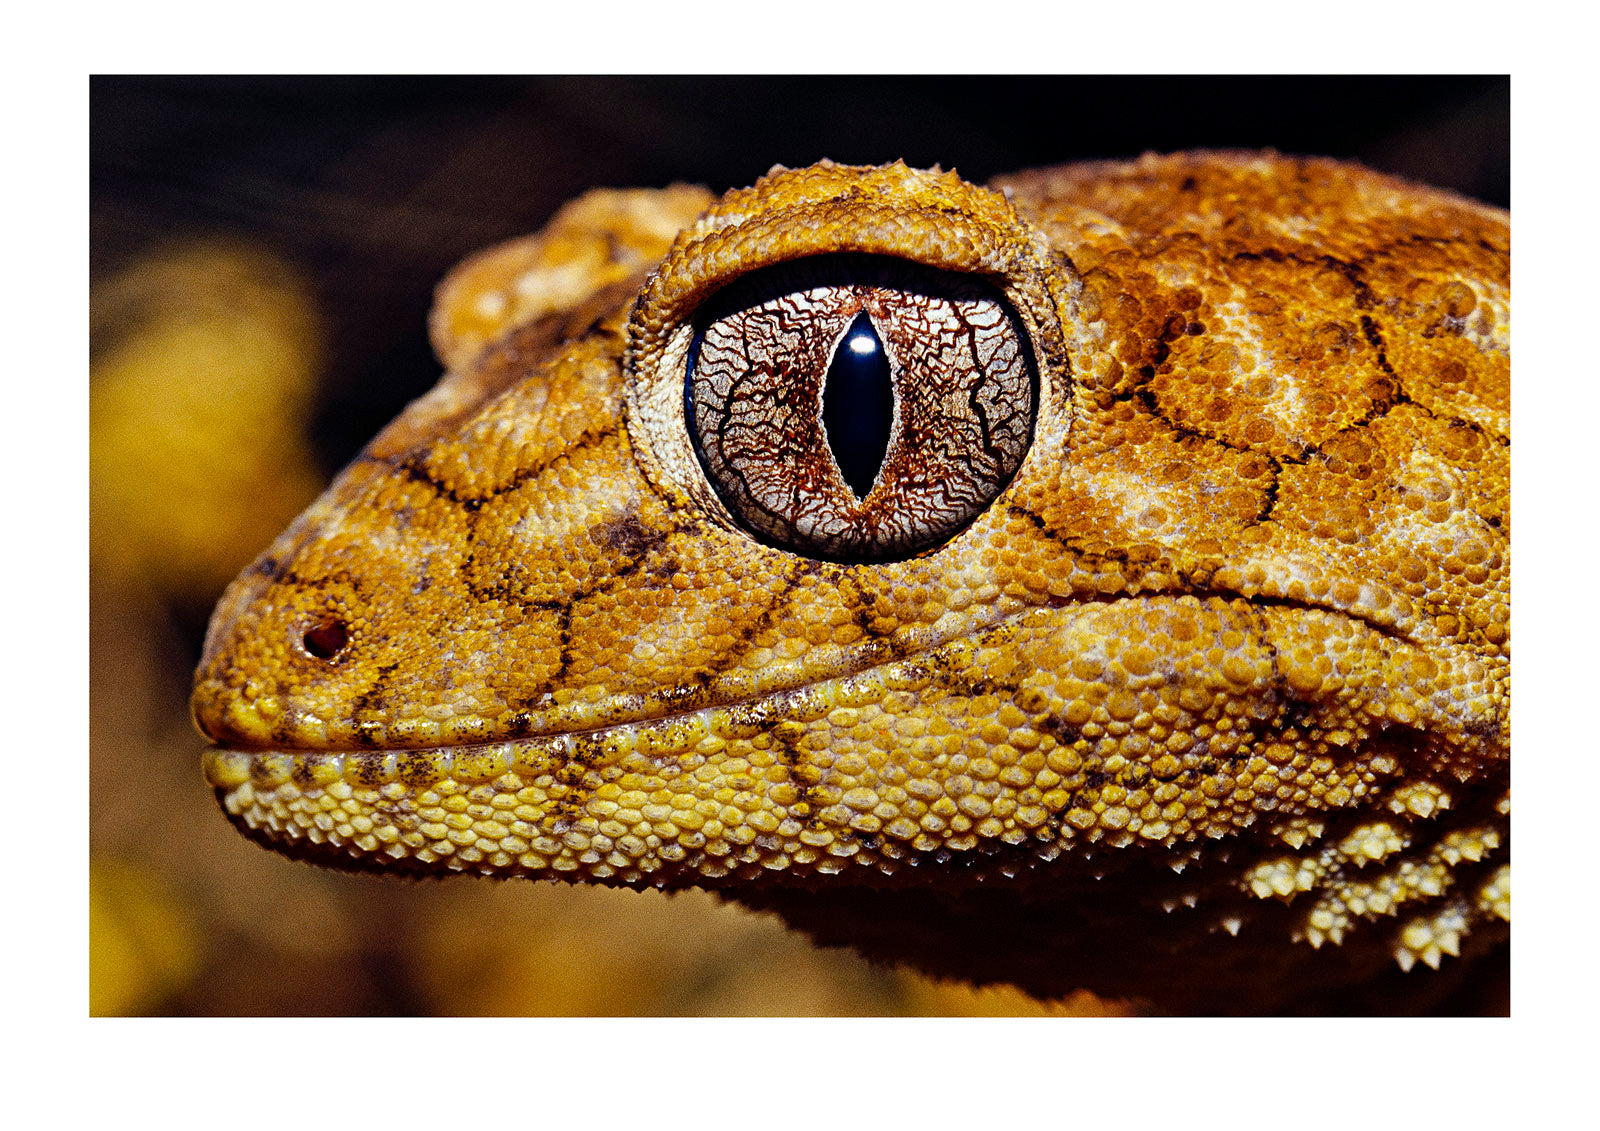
point(1208, 706)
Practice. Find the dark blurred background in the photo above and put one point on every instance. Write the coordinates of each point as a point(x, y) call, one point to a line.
point(262, 258)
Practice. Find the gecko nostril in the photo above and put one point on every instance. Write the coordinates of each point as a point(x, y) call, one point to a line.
point(326, 639)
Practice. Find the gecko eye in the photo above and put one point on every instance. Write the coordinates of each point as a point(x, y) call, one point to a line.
point(859, 408)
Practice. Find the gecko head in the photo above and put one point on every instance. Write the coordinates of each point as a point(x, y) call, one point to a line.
point(572, 555)
point(586, 527)
point(835, 539)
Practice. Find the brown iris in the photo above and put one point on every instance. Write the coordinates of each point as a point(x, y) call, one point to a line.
point(859, 408)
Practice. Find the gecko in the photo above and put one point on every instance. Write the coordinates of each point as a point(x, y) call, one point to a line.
point(1096, 579)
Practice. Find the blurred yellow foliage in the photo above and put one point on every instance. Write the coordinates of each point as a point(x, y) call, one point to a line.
point(203, 364)
point(926, 997)
point(142, 947)
point(551, 950)
point(554, 950)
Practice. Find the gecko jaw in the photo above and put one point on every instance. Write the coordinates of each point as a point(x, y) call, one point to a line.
point(630, 799)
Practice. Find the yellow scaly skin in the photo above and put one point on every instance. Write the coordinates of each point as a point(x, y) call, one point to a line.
point(1208, 706)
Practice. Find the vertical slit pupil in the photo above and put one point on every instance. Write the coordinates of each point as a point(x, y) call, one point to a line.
point(858, 405)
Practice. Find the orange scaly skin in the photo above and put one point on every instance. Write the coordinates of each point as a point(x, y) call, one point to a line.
point(1208, 706)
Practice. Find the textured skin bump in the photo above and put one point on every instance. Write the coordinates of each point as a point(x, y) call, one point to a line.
point(1209, 706)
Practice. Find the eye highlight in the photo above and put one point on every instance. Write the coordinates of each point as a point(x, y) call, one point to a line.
point(859, 408)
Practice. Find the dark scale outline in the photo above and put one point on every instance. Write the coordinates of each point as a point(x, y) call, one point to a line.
point(413, 465)
point(1427, 609)
point(285, 574)
point(788, 585)
point(585, 756)
point(1192, 582)
point(1146, 399)
point(682, 697)
point(1364, 300)
point(363, 702)
point(793, 759)
point(1133, 571)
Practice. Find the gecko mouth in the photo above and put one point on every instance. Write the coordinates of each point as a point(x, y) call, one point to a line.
point(545, 730)
point(632, 796)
